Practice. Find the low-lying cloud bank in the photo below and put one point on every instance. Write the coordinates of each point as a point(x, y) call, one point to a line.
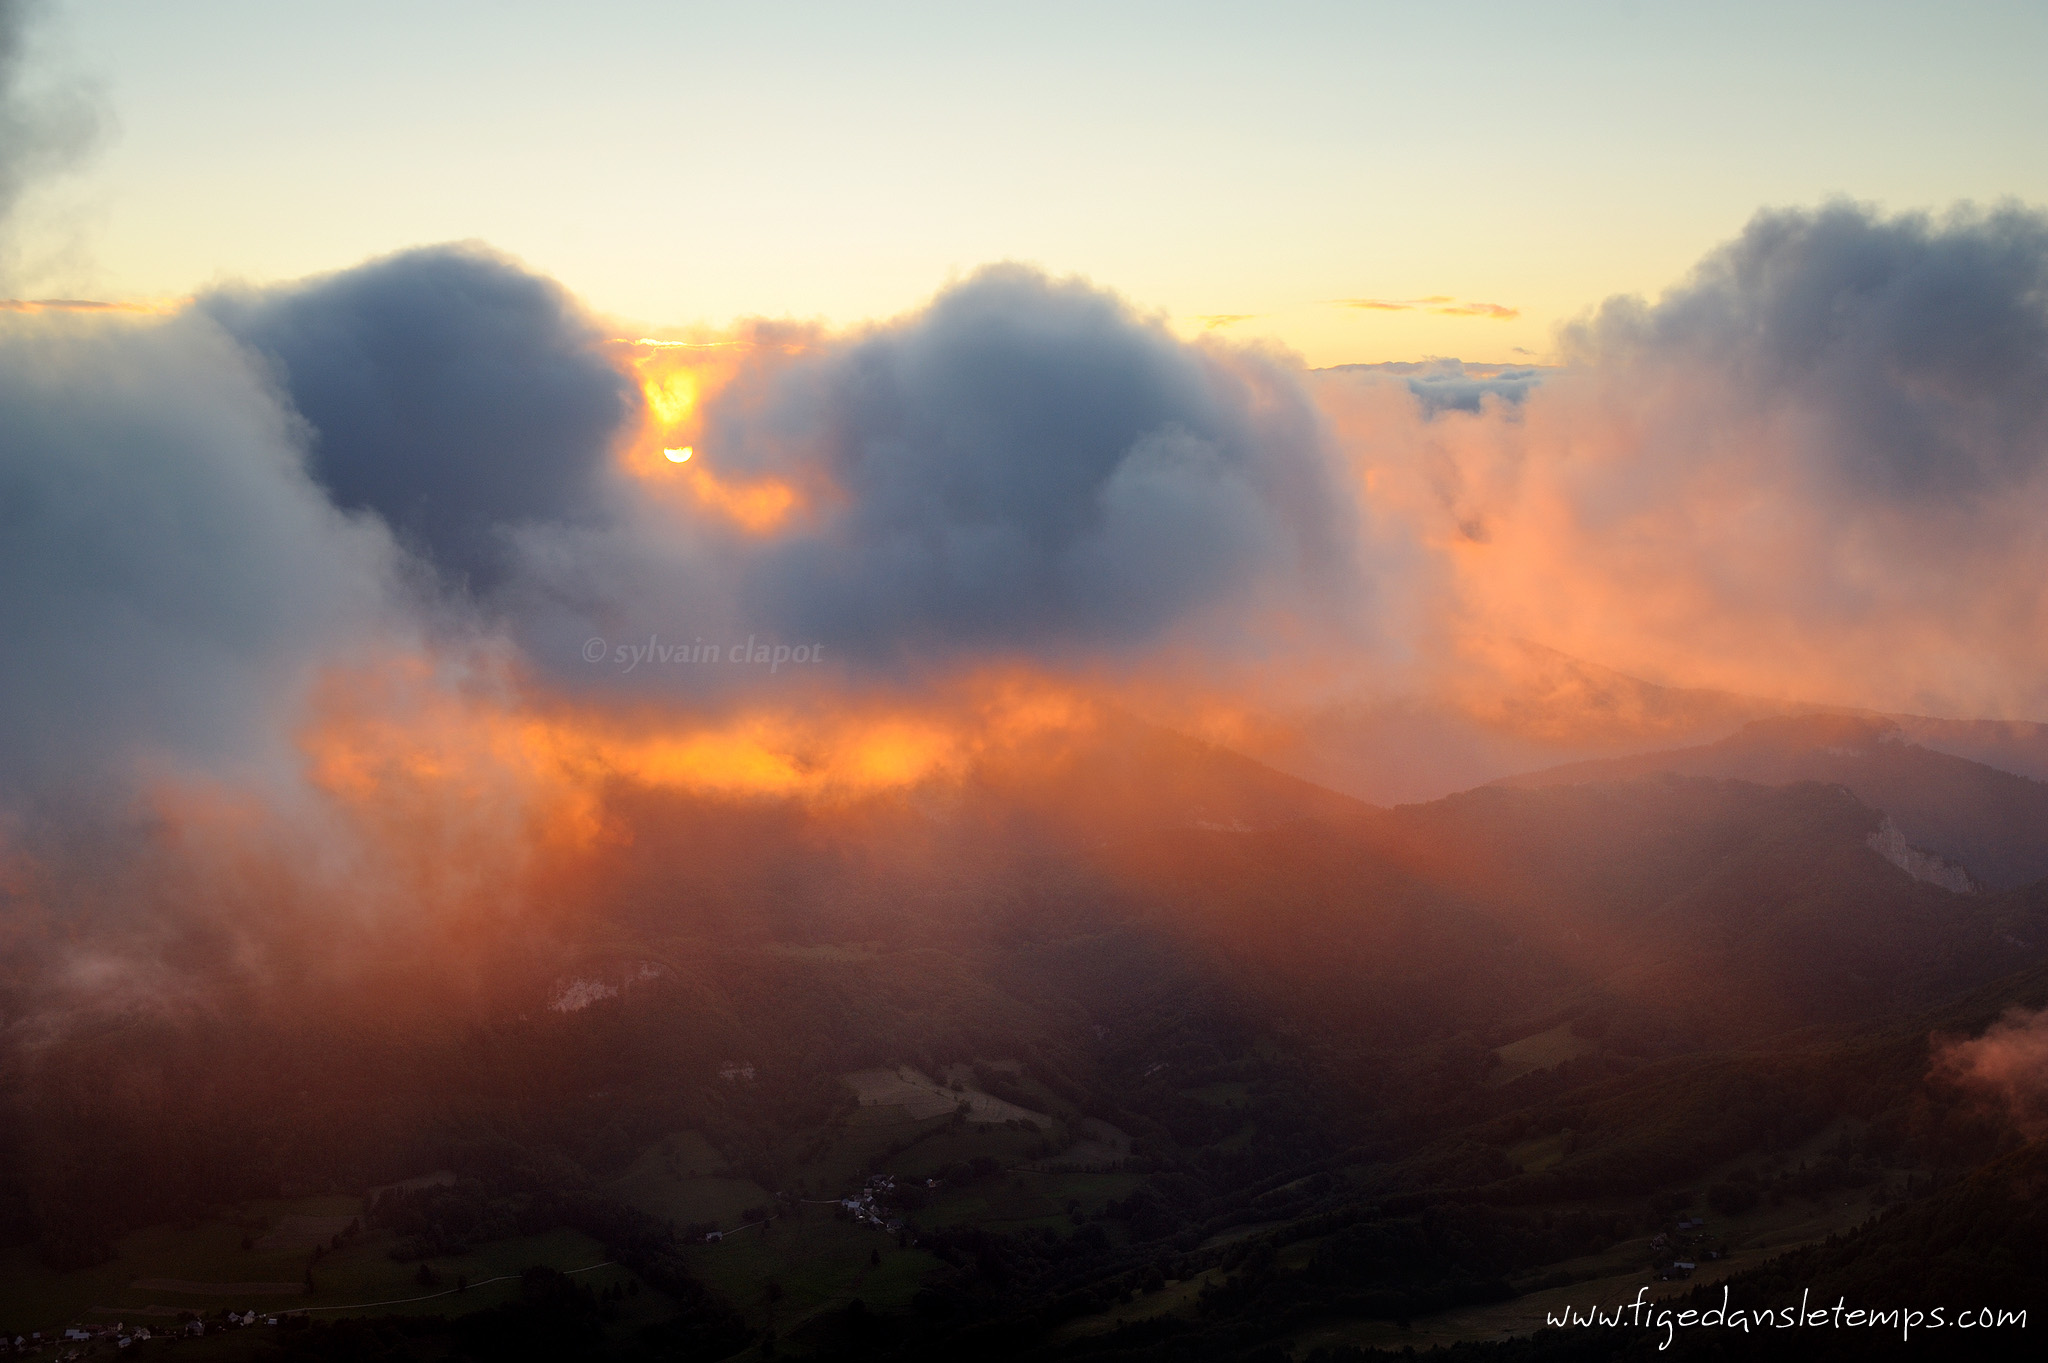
point(174, 579)
point(2007, 1066)
point(349, 536)
point(1816, 469)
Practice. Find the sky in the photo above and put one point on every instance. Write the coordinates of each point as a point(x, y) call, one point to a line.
point(1490, 171)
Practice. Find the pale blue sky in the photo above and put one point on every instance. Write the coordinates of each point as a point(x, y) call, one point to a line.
point(683, 163)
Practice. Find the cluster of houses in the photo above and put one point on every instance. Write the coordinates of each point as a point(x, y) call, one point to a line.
point(866, 1205)
point(1677, 1254)
point(120, 1334)
point(76, 1335)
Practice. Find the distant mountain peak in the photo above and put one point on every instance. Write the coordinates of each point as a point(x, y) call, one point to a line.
point(1950, 811)
point(1834, 733)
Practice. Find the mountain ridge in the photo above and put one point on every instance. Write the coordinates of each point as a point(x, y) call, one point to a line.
point(1990, 821)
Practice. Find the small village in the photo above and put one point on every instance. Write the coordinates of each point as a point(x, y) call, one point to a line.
point(1678, 1252)
point(868, 1206)
point(77, 1340)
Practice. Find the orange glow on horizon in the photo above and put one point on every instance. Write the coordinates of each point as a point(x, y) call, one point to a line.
point(400, 735)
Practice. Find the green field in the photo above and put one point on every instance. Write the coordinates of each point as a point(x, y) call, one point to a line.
point(1539, 1152)
point(1539, 1052)
point(842, 1161)
point(210, 1254)
point(1177, 1298)
point(820, 1263)
point(1006, 1145)
point(1016, 1201)
point(688, 1152)
point(682, 1179)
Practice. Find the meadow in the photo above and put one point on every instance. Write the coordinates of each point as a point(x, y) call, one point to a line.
point(164, 1271)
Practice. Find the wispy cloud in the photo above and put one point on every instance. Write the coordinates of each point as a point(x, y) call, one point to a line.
point(1441, 304)
point(1212, 320)
point(1498, 311)
point(2008, 1064)
point(82, 305)
point(43, 130)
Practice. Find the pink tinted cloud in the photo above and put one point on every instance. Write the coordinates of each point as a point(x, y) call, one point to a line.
point(2008, 1064)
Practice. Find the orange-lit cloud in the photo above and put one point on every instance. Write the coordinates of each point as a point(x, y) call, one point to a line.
point(676, 378)
point(2007, 1065)
point(454, 816)
point(1809, 474)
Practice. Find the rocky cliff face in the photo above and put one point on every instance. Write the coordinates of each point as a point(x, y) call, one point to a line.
point(1889, 843)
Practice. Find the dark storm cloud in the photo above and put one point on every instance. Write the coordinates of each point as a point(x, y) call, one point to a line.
point(1027, 465)
point(448, 390)
point(1918, 347)
point(171, 573)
